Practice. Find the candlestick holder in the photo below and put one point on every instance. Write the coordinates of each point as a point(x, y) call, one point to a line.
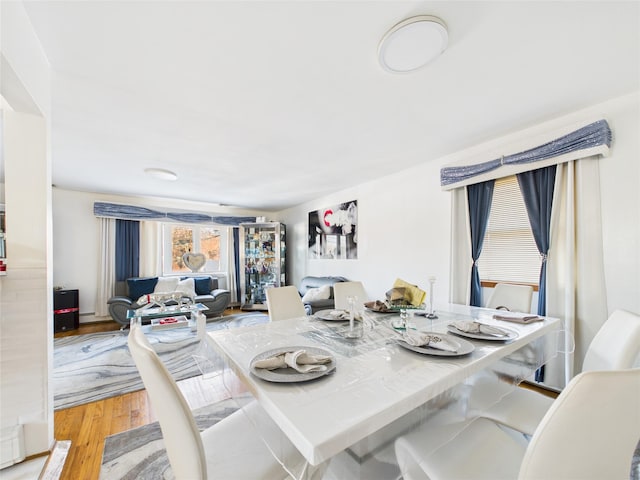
point(432, 312)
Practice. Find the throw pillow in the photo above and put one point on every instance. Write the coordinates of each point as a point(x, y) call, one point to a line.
point(186, 286)
point(166, 284)
point(138, 287)
point(203, 285)
point(320, 293)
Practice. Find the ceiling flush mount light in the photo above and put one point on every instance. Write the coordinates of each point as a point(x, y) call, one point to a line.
point(412, 43)
point(161, 174)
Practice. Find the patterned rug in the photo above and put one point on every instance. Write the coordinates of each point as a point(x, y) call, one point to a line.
point(139, 453)
point(92, 367)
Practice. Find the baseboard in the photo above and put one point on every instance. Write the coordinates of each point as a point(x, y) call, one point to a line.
point(91, 318)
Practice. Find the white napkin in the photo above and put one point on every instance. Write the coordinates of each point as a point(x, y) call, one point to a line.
point(418, 339)
point(342, 315)
point(517, 317)
point(299, 360)
point(477, 327)
point(338, 314)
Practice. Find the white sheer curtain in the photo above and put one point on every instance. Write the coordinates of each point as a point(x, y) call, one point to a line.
point(150, 249)
point(231, 266)
point(106, 265)
point(576, 290)
point(461, 261)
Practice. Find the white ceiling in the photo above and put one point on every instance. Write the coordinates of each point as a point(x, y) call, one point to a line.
point(269, 104)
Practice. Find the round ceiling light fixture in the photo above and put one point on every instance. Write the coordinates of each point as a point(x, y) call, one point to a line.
point(161, 174)
point(412, 43)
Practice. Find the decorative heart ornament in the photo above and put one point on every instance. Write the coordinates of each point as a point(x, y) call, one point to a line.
point(195, 261)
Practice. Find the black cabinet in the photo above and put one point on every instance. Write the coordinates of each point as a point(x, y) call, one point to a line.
point(66, 311)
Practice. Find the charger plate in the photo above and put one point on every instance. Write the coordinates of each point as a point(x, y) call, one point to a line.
point(326, 315)
point(511, 334)
point(464, 347)
point(289, 375)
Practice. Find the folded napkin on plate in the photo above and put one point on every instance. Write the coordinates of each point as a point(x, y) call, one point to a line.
point(377, 306)
point(418, 339)
point(477, 327)
point(517, 317)
point(299, 360)
point(338, 314)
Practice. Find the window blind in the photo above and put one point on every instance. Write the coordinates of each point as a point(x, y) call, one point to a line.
point(509, 252)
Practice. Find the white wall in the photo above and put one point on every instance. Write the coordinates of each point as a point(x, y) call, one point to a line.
point(620, 190)
point(26, 330)
point(404, 219)
point(403, 232)
point(76, 238)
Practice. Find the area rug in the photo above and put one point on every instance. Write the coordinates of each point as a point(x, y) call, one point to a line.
point(96, 366)
point(140, 453)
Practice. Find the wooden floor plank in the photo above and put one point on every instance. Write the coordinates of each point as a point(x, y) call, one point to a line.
point(87, 426)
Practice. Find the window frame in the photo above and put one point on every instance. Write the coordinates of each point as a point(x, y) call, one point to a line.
point(167, 248)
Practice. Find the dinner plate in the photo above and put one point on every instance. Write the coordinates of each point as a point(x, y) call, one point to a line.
point(325, 315)
point(287, 375)
point(511, 334)
point(464, 347)
point(382, 311)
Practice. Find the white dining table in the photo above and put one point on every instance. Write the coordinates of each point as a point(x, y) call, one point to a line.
point(376, 381)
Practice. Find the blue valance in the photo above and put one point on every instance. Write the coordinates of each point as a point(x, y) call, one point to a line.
point(594, 138)
point(131, 212)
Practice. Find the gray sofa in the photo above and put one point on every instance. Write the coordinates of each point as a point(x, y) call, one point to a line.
point(308, 283)
point(206, 288)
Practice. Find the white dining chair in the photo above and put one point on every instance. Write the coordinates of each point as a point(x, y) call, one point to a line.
point(284, 303)
point(589, 433)
point(616, 346)
point(515, 298)
point(343, 290)
point(230, 449)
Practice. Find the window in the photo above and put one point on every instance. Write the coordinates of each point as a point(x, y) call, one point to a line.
point(509, 252)
point(179, 239)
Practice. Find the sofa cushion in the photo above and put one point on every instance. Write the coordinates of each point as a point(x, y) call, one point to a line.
point(318, 293)
point(141, 286)
point(202, 285)
point(166, 284)
point(186, 286)
point(315, 282)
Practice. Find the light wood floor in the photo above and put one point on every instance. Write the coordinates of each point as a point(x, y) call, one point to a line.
point(88, 425)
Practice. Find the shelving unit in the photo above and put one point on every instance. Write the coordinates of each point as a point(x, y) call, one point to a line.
point(263, 257)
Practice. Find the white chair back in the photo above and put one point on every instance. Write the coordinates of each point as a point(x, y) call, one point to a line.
point(616, 345)
point(284, 303)
point(515, 298)
point(343, 290)
point(590, 431)
point(181, 436)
